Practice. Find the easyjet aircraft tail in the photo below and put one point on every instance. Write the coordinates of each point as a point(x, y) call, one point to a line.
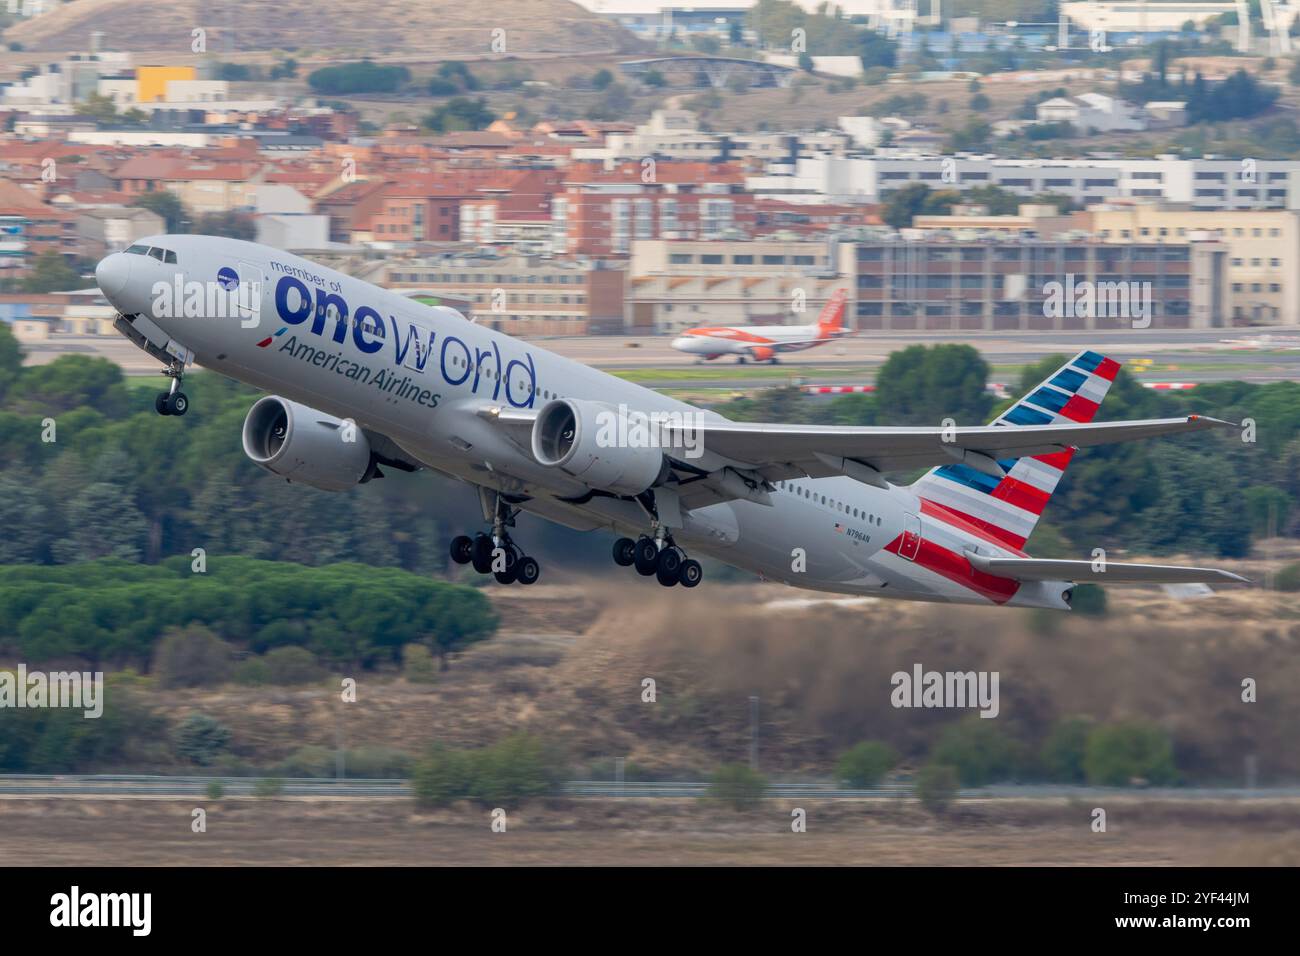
point(831, 319)
point(1008, 507)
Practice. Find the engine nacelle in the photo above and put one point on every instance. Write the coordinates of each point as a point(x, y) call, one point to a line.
point(302, 444)
point(586, 441)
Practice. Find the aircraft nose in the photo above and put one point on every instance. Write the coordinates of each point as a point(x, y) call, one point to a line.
point(682, 342)
point(112, 273)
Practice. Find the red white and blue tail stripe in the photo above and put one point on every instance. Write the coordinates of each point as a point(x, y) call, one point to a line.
point(1007, 509)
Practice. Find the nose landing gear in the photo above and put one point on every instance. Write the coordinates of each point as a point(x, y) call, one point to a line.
point(173, 401)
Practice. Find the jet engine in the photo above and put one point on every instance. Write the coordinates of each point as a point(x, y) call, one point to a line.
point(602, 446)
point(302, 444)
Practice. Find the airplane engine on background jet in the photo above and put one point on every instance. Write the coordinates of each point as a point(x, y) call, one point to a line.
point(301, 444)
point(599, 445)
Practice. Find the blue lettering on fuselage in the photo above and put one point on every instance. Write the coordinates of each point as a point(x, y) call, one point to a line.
point(370, 331)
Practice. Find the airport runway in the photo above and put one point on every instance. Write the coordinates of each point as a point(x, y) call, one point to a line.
point(183, 786)
point(1194, 356)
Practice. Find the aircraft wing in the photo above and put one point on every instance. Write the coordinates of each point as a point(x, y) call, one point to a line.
point(1109, 572)
point(788, 451)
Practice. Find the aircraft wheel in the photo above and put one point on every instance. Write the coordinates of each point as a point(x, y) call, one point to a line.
point(177, 403)
point(645, 556)
point(624, 552)
point(462, 549)
point(668, 564)
point(481, 556)
point(527, 571)
point(160, 403)
point(505, 577)
point(691, 573)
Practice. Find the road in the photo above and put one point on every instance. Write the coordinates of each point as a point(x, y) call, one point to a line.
point(183, 786)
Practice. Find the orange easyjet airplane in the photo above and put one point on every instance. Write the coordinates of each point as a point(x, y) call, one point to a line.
point(762, 343)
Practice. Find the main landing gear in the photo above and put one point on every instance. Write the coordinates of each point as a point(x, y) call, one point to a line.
point(173, 401)
point(496, 553)
point(658, 556)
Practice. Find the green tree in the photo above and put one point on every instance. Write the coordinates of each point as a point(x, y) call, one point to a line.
point(200, 739)
point(980, 752)
point(1119, 754)
point(51, 272)
point(936, 787)
point(192, 656)
point(923, 385)
point(1064, 750)
point(865, 764)
point(737, 786)
point(231, 224)
point(460, 113)
point(166, 204)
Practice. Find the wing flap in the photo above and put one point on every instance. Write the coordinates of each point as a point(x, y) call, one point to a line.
point(1048, 569)
point(900, 448)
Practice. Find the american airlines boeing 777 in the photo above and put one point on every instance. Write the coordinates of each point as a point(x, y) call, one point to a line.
point(364, 378)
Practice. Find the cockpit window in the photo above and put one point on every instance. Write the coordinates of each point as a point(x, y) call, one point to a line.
point(156, 253)
point(169, 256)
point(138, 250)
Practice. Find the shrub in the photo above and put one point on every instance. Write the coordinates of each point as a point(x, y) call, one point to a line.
point(418, 665)
point(1120, 754)
point(377, 762)
point(292, 665)
point(268, 787)
point(1288, 579)
point(936, 787)
point(215, 790)
point(312, 760)
point(253, 672)
point(864, 764)
point(1089, 599)
point(979, 751)
point(200, 739)
point(1064, 750)
point(514, 769)
point(736, 785)
point(192, 657)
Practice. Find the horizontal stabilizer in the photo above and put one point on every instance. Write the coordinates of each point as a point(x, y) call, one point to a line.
point(1109, 572)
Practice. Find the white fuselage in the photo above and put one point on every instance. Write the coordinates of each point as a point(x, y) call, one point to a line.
point(423, 382)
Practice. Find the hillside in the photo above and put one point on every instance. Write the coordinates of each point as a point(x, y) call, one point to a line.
point(431, 29)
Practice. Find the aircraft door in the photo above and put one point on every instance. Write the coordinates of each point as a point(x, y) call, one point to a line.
point(911, 542)
point(250, 293)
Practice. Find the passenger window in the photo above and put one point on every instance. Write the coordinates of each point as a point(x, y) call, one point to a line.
point(156, 253)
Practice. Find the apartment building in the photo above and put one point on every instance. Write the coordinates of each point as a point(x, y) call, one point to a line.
point(1031, 284)
point(1263, 251)
point(1203, 184)
point(674, 285)
point(519, 294)
point(604, 209)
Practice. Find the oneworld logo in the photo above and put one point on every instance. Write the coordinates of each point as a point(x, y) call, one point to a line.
point(480, 369)
point(75, 909)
